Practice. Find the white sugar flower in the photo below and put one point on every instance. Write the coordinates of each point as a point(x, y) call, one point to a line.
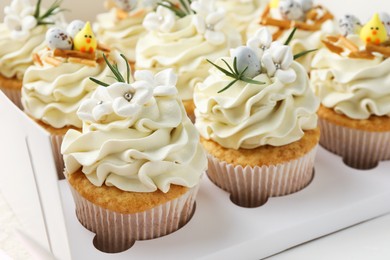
point(163, 83)
point(277, 61)
point(203, 7)
point(210, 26)
point(162, 20)
point(260, 42)
point(122, 99)
point(19, 19)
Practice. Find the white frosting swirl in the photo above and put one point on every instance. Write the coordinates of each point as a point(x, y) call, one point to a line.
point(184, 50)
point(250, 115)
point(240, 13)
point(357, 88)
point(15, 56)
point(121, 34)
point(53, 94)
point(142, 151)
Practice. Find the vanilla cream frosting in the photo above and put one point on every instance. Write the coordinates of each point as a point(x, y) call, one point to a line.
point(53, 94)
point(122, 34)
point(137, 143)
point(183, 49)
point(240, 13)
point(357, 88)
point(16, 56)
point(251, 115)
point(302, 41)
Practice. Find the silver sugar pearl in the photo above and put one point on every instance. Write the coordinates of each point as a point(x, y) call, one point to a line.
point(128, 96)
point(278, 66)
point(263, 47)
point(100, 102)
point(210, 27)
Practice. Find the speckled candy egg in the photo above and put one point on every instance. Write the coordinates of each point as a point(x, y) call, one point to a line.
point(246, 57)
point(74, 27)
point(126, 5)
point(57, 38)
point(291, 10)
point(385, 18)
point(349, 24)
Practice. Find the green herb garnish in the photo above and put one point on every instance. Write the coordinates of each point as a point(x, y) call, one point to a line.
point(181, 10)
point(54, 9)
point(115, 70)
point(302, 53)
point(235, 74)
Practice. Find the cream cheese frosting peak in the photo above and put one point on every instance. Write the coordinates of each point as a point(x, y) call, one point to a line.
point(272, 107)
point(136, 136)
point(184, 43)
point(357, 88)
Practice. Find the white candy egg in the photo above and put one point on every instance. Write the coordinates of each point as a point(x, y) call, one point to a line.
point(306, 4)
point(349, 24)
point(126, 5)
point(74, 27)
point(385, 18)
point(246, 57)
point(291, 10)
point(57, 38)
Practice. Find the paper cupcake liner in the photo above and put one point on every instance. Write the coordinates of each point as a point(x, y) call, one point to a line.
point(15, 95)
point(359, 149)
point(252, 186)
point(116, 232)
point(56, 142)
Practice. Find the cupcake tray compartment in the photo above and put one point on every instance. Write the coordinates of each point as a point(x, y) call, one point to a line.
point(338, 197)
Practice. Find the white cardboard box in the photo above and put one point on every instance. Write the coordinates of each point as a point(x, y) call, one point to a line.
point(338, 197)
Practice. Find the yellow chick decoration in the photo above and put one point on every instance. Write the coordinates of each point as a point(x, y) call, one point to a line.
point(374, 31)
point(274, 4)
point(85, 40)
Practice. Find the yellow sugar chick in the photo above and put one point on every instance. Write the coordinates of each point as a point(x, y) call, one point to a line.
point(85, 40)
point(374, 31)
point(274, 4)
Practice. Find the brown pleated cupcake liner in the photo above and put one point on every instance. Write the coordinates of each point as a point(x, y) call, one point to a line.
point(15, 95)
point(116, 232)
point(252, 186)
point(56, 142)
point(359, 149)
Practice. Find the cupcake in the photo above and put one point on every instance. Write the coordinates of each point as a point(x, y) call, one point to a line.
point(21, 34)
point(135, 167)
point(256, 115)
point(122, 26)
point(313, 23)
point(240, 13)
point(57, 83)
point(351, 76)
point(182, 37)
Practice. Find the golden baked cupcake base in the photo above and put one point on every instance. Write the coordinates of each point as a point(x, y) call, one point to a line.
point(252, 176)
point(12, 88)
point(361, 143)
point(119, 218)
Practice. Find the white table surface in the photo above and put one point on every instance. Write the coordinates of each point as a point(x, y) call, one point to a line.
point(369, 240)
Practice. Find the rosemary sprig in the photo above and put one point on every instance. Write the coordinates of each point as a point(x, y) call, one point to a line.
point(302, 53)
point(181, 10)
point(54, 9)
point(291, 36)
point(235, 74)
point(115, 70)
